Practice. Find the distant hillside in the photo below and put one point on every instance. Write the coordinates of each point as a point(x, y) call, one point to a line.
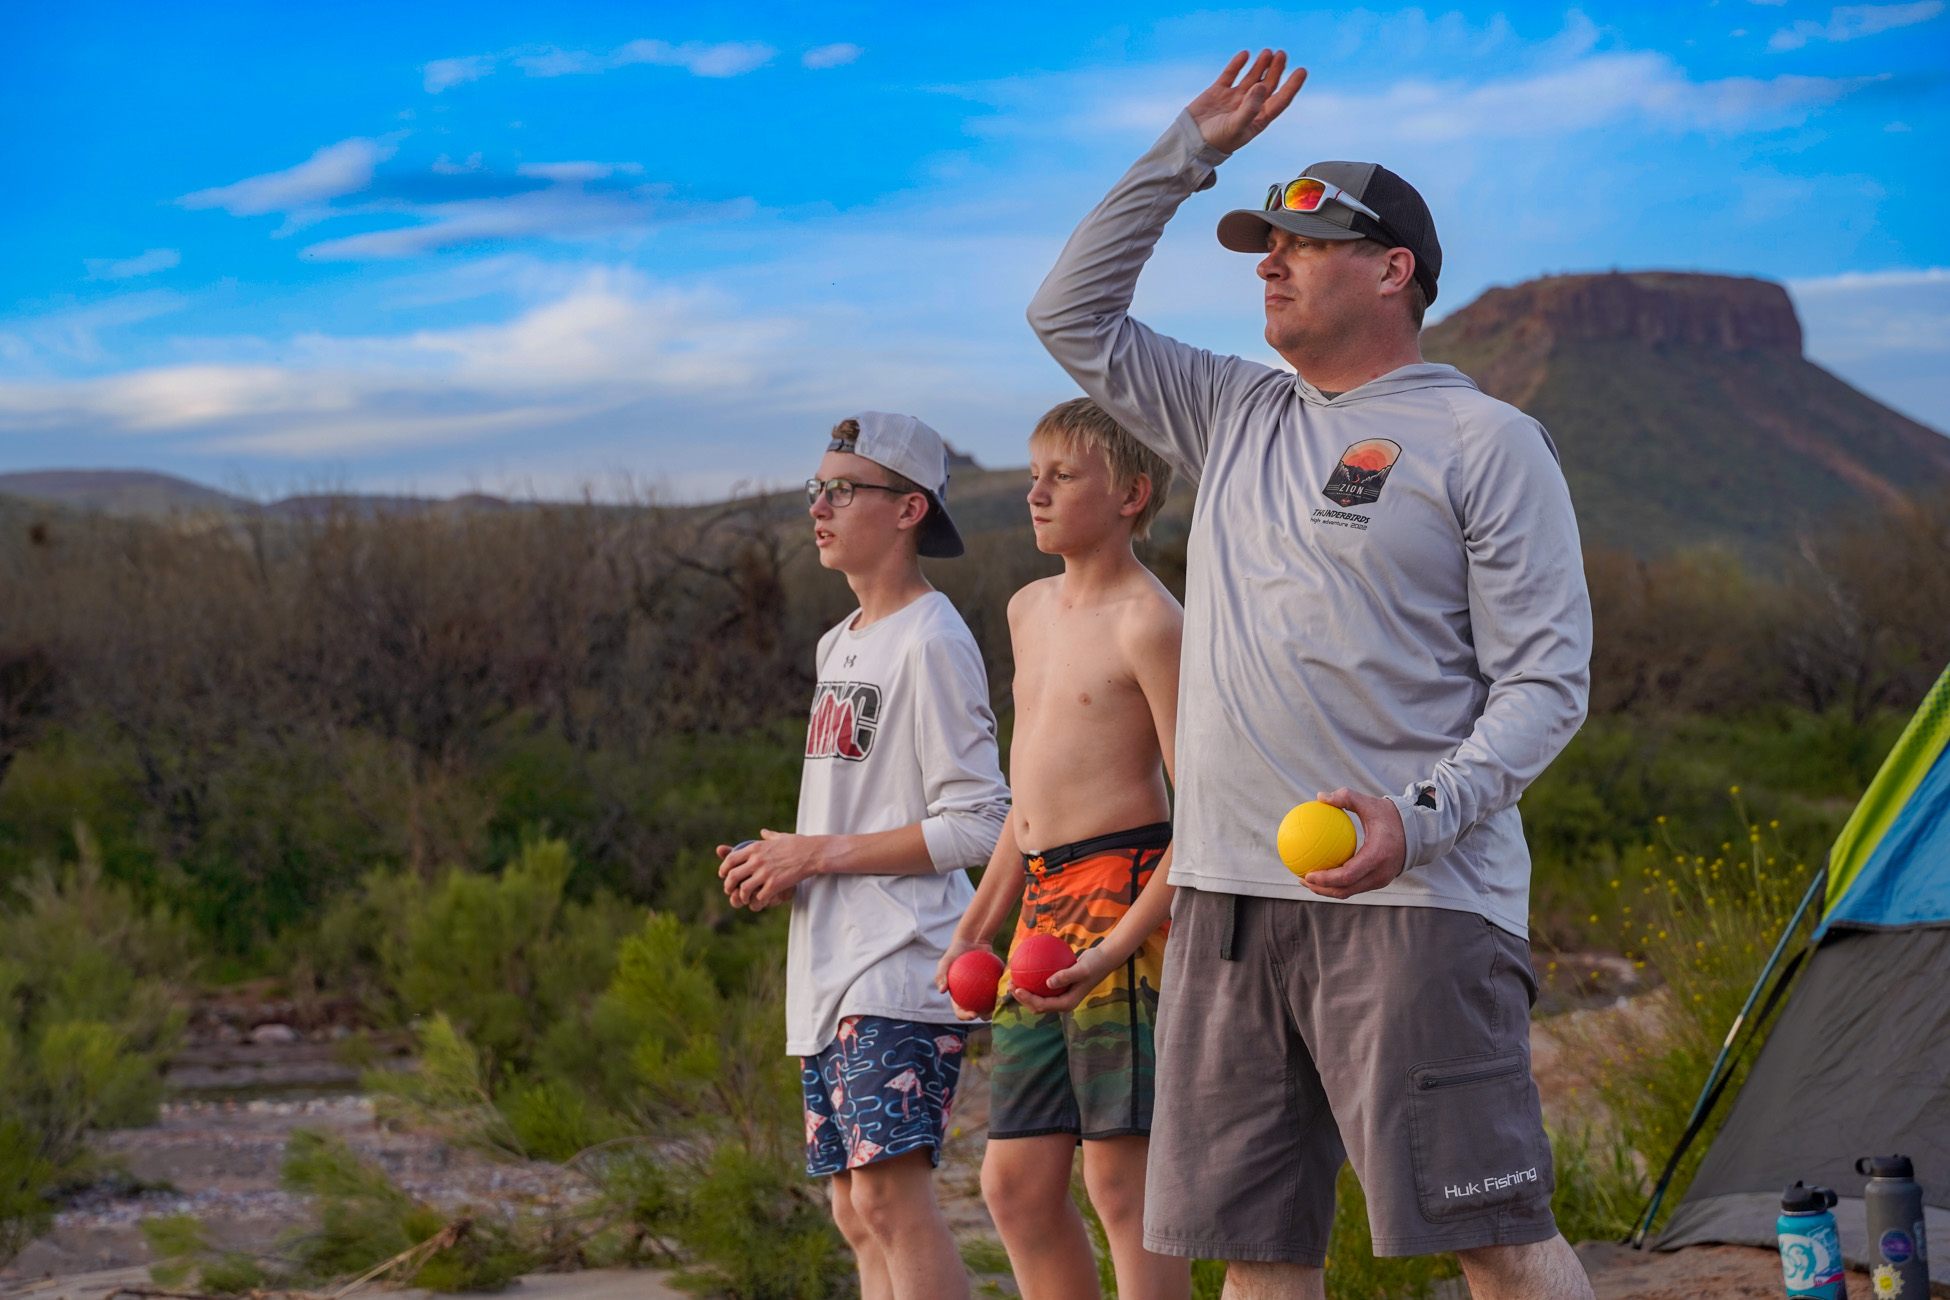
point(1684, 410)
point(1682, 406)
point(145, 492)
point(119, 491)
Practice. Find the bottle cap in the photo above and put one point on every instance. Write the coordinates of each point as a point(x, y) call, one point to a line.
point(1806, 1200)
point(1885, 1167)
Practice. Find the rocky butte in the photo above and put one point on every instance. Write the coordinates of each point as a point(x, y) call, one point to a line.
point(1685, 412)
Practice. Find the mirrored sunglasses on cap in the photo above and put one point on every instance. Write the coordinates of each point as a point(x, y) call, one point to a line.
point(1308, 193)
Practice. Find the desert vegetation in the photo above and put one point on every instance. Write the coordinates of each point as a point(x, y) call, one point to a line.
point(469, 766)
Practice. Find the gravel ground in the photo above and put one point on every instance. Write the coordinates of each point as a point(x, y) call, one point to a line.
point(219, 1159)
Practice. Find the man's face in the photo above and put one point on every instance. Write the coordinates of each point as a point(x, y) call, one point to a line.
point(1074, 503)
point(859, 535)
point(1317, 291)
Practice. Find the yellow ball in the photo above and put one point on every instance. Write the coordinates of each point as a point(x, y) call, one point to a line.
point(1316, 836)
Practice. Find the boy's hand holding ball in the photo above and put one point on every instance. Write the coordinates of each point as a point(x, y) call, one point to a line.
point(1068, 986)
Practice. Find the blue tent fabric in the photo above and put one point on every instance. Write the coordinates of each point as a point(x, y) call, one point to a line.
point(1906, 881)
point(1859, 1062)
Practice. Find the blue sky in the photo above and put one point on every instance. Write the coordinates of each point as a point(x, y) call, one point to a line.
point(542, 248)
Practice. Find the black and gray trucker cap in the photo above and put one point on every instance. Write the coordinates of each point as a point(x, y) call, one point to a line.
point(1405, 218)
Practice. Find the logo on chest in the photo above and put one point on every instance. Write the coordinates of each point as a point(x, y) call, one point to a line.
point(1362, 472)
point(845, 716)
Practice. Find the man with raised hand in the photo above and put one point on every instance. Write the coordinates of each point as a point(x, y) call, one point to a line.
point(1384, 600)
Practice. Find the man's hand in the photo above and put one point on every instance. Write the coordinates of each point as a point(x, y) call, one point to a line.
point(1383, 852)
point(762, 874)
point(1229, 115)
point(1072, 983)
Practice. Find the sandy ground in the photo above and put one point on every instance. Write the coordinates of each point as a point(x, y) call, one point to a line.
point(221, 1159)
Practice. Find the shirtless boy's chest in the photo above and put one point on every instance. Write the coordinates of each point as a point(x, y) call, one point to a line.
point(1069, 673)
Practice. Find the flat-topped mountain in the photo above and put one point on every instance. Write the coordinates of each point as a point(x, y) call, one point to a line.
point(1685, 411)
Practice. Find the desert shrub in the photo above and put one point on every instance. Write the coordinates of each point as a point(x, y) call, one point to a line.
point(755, 1229)
point(1600, 1185)
point(1589, 816)
point(88, 1004)
point(1707, 924)
point(185, 1257)
point(87, 1014)
point(672, 1095)
point(362, 1219)
point(504, 957)
point(26, 1188)
point(1353, 1271)
point(710, 1088)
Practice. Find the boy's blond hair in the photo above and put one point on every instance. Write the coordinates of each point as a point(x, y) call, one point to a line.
point(1082, 423)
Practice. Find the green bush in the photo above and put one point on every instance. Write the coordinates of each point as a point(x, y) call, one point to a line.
point(26, 1189)
point(88, 1005)
point(185, 1257)
point(1706, 925)
point(1625, 780)
point(364, 1219)
point(757, 1230)
point(1354, 1272)
point(1600, 1186)
point(505, 957)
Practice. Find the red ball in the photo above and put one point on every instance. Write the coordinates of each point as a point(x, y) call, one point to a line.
point(1035, 958)
point(972, 980)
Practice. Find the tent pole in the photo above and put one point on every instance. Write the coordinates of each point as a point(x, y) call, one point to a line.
point(1708, 1094)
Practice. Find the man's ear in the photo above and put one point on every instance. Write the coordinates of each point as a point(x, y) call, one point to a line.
point(1136, 496)
point(1400, 273)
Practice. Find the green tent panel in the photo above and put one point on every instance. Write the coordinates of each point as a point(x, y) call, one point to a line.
point(1859, 1063)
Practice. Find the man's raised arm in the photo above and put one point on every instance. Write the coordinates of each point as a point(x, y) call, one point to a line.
point(1160, 389)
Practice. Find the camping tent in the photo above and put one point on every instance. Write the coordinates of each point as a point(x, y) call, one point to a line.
point(1859, 1063)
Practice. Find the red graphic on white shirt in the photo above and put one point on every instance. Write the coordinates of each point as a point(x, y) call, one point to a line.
point(845, 716)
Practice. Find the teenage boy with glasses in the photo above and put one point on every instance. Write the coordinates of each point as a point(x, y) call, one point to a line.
point(1384, 593)
point(900, 792)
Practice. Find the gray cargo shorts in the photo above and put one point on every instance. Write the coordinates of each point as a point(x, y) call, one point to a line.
point(1403, 1032)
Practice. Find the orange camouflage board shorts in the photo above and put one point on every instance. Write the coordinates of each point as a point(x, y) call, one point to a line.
point(1090, 1071)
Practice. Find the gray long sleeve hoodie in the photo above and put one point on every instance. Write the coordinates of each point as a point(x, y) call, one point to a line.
point(1384, 589)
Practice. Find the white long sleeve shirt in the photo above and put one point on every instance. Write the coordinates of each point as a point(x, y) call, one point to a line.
point(1384, 588)
point(901, 732)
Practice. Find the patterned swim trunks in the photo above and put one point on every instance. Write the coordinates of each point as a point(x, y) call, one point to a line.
point(882, 1088)
point(1090, 1071)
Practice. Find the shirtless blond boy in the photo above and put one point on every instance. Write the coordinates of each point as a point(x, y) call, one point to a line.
point(1096, 696)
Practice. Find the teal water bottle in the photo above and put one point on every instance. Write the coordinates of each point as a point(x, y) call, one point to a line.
point(1811, 1253)
point(1899, 1258)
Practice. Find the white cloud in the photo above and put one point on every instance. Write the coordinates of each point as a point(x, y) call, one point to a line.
point(612, 340)
point(831, 56)
point(74, 333)
point(442, 73)
point(1852, 22)
point(1849, 282)
point(1583, 94)
point(567, 210)
point(1885, 331)
point(145, 263)
point(699, 58)
point(299, 192)
point(577, 171)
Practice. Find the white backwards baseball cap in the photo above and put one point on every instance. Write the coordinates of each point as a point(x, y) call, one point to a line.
point(911, 449)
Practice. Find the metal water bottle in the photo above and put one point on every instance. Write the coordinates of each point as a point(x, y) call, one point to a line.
point(1899, 1259)
point(1811, 1253)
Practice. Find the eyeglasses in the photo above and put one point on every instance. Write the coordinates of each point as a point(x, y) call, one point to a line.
point(1308, 193)
point(839, 491)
